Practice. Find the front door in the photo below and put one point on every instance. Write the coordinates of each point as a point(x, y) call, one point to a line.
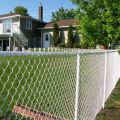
point(46, 40)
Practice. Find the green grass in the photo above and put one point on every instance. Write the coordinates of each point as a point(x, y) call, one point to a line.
point(114, 99)
point(112, 106)
point(40, 82)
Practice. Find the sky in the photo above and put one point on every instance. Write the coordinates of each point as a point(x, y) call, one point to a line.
point(32, 5)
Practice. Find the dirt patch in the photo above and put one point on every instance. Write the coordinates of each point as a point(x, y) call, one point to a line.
point(33, 114)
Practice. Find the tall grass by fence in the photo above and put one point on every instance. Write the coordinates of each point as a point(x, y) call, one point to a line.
point(64, 84)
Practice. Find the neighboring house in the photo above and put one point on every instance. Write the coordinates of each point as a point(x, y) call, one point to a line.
point(20, 31)
point(17, 31)
point(47, 32)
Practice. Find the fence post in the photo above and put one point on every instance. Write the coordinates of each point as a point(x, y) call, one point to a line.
point(105, 78)
point(115, 72)
point(77, 86)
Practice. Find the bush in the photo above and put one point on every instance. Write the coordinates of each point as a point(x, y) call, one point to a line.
point(70, 36)
point(76, 45)
point(62, 45)
point(119, 51)
point(55, 35)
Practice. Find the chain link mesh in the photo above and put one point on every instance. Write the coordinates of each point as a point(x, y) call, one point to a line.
point(91, 85)
point(41, 85)
point(111, 68)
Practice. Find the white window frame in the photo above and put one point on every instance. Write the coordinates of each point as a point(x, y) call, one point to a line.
point(3, 26)
point(28, 24)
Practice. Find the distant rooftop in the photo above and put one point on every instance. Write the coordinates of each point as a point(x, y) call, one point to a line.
point(62, 23)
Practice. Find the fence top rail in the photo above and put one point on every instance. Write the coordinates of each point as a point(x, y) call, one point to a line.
point(82, 52)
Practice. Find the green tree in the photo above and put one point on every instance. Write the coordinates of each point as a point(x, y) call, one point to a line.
point(70, 37)
point(55, 35)
point(21, 10)
point(99, 22)
point(62, 13)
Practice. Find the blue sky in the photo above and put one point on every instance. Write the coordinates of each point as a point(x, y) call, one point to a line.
point(49, 6)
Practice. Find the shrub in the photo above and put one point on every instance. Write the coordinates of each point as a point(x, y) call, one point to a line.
point(76, 45)
point(55, 35)
point(62, 45)
point(119, 51)
point(70, 36)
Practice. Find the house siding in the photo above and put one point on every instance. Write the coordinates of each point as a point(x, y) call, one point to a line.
point(63, 33)
point(34, 35)
point(1, 27)
point(15, 24)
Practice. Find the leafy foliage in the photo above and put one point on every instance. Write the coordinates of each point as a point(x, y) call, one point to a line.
point(119, 51)
point(62, 45)
point(63, 14)
point(55, 35)
point(99, 22)
point(21, 10)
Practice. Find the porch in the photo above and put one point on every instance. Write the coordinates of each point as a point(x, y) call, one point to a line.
point(7, 43)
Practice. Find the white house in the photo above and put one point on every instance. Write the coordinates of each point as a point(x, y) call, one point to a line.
point(63, 25)
point(20, 31)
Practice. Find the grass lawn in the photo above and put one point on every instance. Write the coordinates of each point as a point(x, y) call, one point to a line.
point(112, 106)
point(35, 82)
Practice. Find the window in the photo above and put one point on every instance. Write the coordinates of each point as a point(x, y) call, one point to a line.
point(28, 24)
point(7, 26)
point(46, 37)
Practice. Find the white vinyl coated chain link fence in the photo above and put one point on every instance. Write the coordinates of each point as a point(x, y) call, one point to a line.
point(56, 85)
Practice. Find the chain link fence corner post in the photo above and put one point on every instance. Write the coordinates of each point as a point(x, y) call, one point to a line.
point(105, 78)
point(77, 86)
point(115, 72)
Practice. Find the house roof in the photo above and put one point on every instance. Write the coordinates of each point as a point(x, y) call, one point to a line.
point(8, 15)
point(62, 23)
point(11, 15)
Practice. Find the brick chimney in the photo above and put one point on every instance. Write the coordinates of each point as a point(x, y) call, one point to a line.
point(40, 12)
